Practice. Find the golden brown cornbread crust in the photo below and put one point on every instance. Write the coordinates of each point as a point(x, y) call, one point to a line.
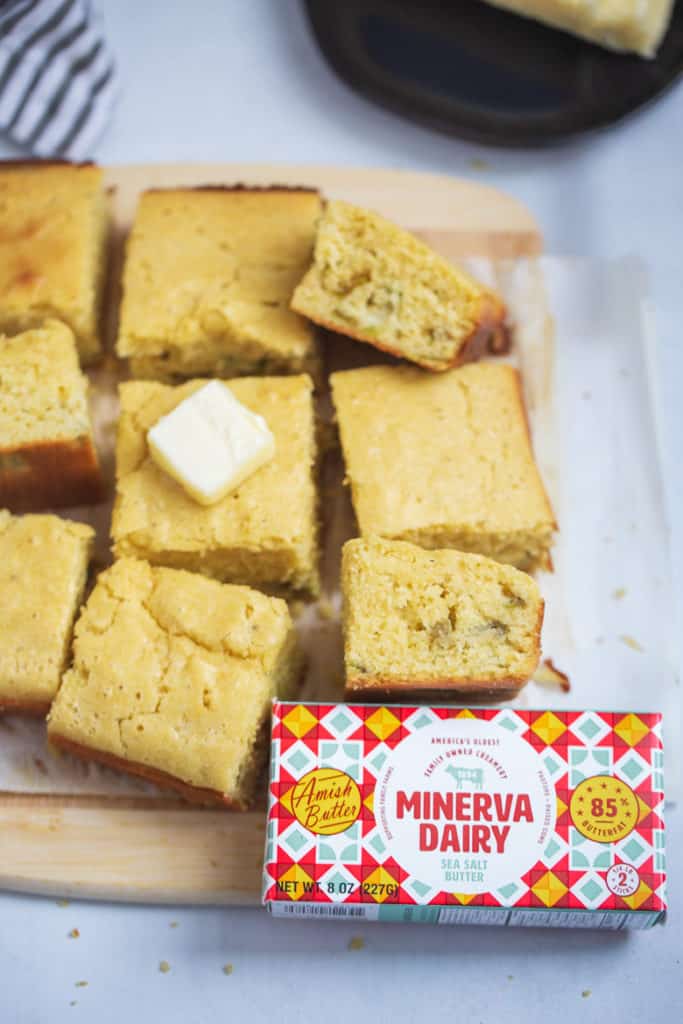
point(50, 474)
point(265, 533)
point(47, 455)
point(444, 460)
point(490, 335)
point(43, 571)
point(208, 276)
point(193, 794)
point(173, 675)
point(17, 706)
point(427, 622)
point(53, 248)
point(377, 283)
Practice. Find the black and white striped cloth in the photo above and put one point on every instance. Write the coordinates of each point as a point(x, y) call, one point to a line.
point(57, 77)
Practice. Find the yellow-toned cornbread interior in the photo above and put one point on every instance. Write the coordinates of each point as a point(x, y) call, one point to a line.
point(175, 671)
point(53, 241)
point(265, 533)
point(376, 282)
point(207, 282)
point(43, 394)
point(414, 617)
point(43, 570)
point(444, 461)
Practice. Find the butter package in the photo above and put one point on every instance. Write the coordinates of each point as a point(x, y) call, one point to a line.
point(466, 816)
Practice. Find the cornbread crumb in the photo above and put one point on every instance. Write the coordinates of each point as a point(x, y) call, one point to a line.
point(173, 924)
point(375, 282)
point(208, 277)
point(74, 933)
point(478, 164)
point(547, 674)
point(164, 966)
point(265, 533)
point(444, 461)
point(227, 968)
point(619, 593)
point(172, 679)
point(81, 984)
point(417, 621)
point(53, 244)
point(63, 903)
point(586, 993)
point(356, 943)
point(43, 570)
point(631, 642)
point(47, 453)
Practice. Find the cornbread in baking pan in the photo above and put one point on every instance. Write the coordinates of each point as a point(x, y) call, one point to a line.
point(264, 533)
point(208, 278)
point(47, 453)
point(445, 460)
point(173, 677)
point(53, 248)
point(375, 282)
point(426, 623)
point(631, 25)
point(43, 571)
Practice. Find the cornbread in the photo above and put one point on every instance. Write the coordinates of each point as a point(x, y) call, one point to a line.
point(444, 460)
point(53, 240)
point(208, 277)
point(172, 679)
point(43, 569)
point(47, 453)
point(264, 533)
point(377, 283)
point(423, 623)
point(630, 25)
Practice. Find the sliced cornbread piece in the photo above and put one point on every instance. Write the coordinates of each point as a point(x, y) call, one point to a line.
point(264, 533)
point(47, 453)
point(444, 461)
point(427, 623)
point(207, 282)
point(43, 570)
point(53, 242)
point(375, 282)
point(172, 679)
point(616, 24)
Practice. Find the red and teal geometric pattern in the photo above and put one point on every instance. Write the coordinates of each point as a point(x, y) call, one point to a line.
point(353, 865)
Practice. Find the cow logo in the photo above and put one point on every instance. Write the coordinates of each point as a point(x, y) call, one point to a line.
point(326, 801)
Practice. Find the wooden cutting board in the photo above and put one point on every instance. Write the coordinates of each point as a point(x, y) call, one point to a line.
point(147, 850)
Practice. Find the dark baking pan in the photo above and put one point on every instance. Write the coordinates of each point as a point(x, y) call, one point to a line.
point(471, 70)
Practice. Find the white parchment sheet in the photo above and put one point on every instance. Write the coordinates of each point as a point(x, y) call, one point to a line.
point(583, 342)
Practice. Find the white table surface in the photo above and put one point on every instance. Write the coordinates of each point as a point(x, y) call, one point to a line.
point(242, 80)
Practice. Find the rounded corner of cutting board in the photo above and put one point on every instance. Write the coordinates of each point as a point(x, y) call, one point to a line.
point(489, 221)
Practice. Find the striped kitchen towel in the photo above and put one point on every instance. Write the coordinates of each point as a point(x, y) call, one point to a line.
point(57, 77)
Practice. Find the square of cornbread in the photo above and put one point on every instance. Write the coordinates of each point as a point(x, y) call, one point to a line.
point(173, 677)
point(377, 283)
point(445, 460)
point(421, 623)
point(264, 533)
point(208, 278)
point(43, 571)
point(47, 453)
point(53, 246)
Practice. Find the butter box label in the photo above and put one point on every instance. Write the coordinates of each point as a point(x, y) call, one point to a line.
point(459, 815)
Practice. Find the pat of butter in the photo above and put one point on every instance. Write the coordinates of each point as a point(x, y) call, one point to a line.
point(210, 443)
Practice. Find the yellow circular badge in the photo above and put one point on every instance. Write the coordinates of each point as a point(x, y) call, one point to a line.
point(326, 801)
point(604, 809)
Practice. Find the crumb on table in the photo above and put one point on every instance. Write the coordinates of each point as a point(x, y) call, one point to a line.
point(631, 642)
point(356, 943)
point(227, 968)
point(164, 966)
